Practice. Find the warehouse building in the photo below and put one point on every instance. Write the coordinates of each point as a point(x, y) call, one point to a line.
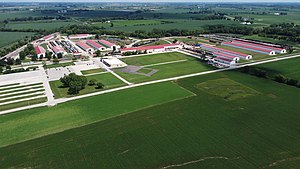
point(152, 49)
point(84, 46)
point(57, 49)
point(250, 48)
point(109, 45)
point(40, 51)
point(276, 49)
point(81, 36)
point(113, 62)
point(95, 45)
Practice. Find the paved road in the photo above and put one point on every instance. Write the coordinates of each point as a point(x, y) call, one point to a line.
point(57, 101)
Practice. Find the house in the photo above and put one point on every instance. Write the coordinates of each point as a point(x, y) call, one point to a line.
point(152, 49)
point(40, 51)
point(95, 45)
point(84, 46)
point(113, 62)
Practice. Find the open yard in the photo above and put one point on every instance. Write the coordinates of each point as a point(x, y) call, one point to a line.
point(109, 81)
point(167, 64)
point(9, 37)
point(204, 131)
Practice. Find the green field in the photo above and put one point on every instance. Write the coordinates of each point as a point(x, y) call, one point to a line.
point(24, 125)
point(149, 25)
point(204, 131)
point(8, 38)
point(288, 68)
point(91, 71)
point(54, 65)
point(48, 25)
point(187, 66)
point(109, 81)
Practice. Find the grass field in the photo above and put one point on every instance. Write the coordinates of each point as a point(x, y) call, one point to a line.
point(187, 66)
point(9, 37)
point(48, 25)
point(204, 131)
point(149, 25)
point(92, 71)
point(34, 123)
point(289, 68)
point(109, 81)
point(160, 42)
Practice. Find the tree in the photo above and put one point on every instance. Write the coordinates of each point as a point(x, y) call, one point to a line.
point(98, 53)
point(280, 79)
point(292, 82)
point(100, 85)
point(41, 57)
point(55, 61)
point(74, 82)
point(22, 55)
point(59, 55)
point(48, 55)
point(92, 82)
point(34, 57)
point(18, 61)
point(1, 69)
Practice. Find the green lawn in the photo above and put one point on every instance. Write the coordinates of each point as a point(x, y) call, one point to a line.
point(204, 131)
point(24, 125)
point(191, 65)
point(160, 42)
point(109, 81)
point(154, 58)
point(92, 71)
point(22, 104)
point(8, 38)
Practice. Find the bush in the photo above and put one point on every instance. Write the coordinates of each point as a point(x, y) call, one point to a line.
point(92, 82)
point(292, 82)
point(280, 79)
point(100, 85)
point(74, 82)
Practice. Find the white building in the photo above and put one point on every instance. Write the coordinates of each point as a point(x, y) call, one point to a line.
point(113, 62)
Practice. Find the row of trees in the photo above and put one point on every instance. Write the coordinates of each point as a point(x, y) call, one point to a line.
point(278, 78)
point(30, 18)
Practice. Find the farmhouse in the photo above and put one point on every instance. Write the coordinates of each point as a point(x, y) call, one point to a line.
point(109, 45)
point(84, 46)
point(40, 51)
point(80, 36)
point(152, 49)
point(113, 62)
point(95, 45)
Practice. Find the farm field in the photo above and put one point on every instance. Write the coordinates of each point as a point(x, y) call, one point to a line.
point(265, 39)
point(169, 24)
point(203, 131)
point(48, 25)
point(289, 68)
point(109, 81)
point(10, 37)
point(193, 40)
point(33, 123)
point(172, 64)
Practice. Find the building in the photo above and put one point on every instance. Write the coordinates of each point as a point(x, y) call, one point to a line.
point(226, 52)
point(224, 61)
point(224, 55)
point(48, 37)
point(250, 47)
point(113, 62)
point(152, 49)
point(95, 45)
point(84, 46)
point(109, 45)
point(262, 46)
point(81, 36)
point(57, 50)
point(40, 51)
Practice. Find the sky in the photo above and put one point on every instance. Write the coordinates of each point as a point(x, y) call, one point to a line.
point(150, 1)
